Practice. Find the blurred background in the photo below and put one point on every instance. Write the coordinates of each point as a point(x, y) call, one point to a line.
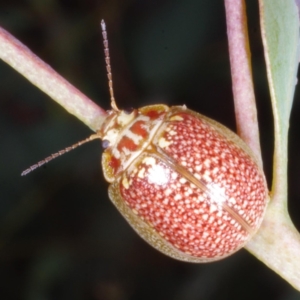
point(60, 236)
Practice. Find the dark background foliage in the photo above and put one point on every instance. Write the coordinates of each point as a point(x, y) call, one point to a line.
point(60, 237)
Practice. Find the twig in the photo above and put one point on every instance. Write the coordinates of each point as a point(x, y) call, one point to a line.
point(45, 78)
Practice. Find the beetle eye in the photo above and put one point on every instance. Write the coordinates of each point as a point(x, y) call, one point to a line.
point(105, 144)
point(128, 110)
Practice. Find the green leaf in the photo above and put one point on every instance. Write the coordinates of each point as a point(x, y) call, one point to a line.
point(280, 34)
point(280, 29)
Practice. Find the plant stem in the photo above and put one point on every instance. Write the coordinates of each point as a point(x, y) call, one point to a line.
point(18, 56)
point(277, 242)
point(241, 72)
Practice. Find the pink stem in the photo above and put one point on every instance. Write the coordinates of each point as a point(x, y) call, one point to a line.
point(45, 78)
point(242, 84)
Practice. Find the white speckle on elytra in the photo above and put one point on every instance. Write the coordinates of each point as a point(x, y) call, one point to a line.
point(226, 218)
point(219, 214)
point(198, 168)
point(132, 193)
point(158, 175)
point(141, 173)
point(168, 192)
point(205, 234)
point(211, 219)
point(231, 200)
point(125, 183)
point(223, 226)
point(207, 177)
point(215, 170)
point(193, 186)
point(245, 204)
point(212, 208)
point(177, 197)
point(197, 176)
point(189, 191)
point(150, 161)
point(174, 175)
point(207, 163)
point(182, 180)
point(163, 143)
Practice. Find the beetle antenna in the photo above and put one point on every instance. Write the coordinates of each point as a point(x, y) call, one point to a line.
point(59, 153)
point(93, 136)
point(108, 67)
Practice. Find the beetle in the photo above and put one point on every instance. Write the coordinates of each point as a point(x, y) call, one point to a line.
point(186, 184)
